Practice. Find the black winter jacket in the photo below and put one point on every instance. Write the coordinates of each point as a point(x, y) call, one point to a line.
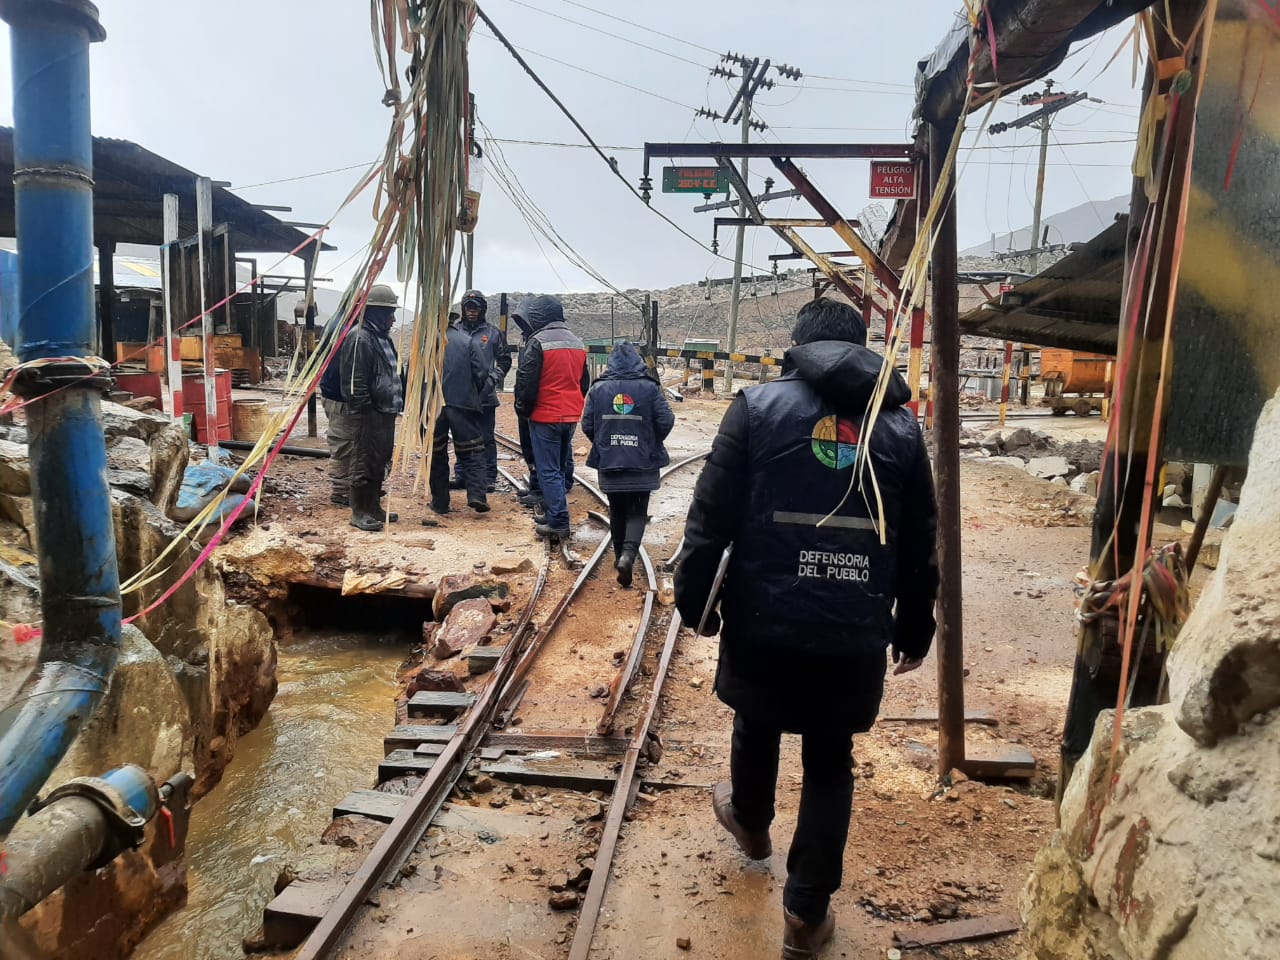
point(493, 344)
point(331, 380)
point(812, 597)
point(371, 380)
point(626, 419)
point(466, 370)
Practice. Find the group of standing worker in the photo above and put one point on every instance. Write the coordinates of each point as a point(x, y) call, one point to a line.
point(807, 577)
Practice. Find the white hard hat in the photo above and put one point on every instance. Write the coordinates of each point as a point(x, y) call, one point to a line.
point(382, 296)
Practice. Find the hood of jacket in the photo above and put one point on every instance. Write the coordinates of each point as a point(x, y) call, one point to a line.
point(541, 311)
point(844, 374)
point(477, 299)
point(625, 363)
point(380, 319)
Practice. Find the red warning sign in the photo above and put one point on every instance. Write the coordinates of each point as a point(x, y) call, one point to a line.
point(893, 180)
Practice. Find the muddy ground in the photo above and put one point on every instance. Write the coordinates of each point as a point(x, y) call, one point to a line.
point(916, 854)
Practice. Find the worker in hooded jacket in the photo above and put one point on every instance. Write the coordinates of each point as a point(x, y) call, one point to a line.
point(466, 377)
point(373, 395)
point(829, 568)
point(551, 384)
point(627, 418)
point(493, 344)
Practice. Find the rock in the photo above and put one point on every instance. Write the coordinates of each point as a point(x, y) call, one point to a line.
point(166, 443)
point(1080, 482)
point(422, 678)
point(1174, 501)
point(483, 785)
point(15, 471)
point(993, 441)
point(683, 943)
point(1059, 482)
point(1093, 482)
point(565, 900)
point(20, 601)
point(1016, 462)
point(559, 883)
point(455, 588)
point(507, 567)
point(1048, 467)
point(353, 833)
point(1017, 439)
point(468, 622)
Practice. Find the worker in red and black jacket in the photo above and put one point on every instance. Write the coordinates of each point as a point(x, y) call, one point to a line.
point(551, 384)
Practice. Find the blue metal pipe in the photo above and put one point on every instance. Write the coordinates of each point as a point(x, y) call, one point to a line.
point(75, 541)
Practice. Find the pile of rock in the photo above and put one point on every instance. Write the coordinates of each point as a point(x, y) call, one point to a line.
point(1076, 464)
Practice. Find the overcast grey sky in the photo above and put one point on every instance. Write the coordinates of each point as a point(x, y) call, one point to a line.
point(269, 90)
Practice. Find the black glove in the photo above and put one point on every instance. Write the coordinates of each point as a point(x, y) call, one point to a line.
point(713, 625)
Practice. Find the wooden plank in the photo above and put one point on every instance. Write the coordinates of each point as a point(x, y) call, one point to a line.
point(482, 659)
point(401, 762)
point(406, 736)
point(930, 715)
point(439, 703)
point(382, 807)
point(1005, 761)
point(957, 931)
point(568, 740)
point(570, 774)
point(293, 914)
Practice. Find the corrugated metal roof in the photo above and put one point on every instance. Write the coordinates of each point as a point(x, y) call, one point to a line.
point(128, 200)
point(1073, 304)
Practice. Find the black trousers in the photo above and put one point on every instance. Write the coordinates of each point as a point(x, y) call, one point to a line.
point(466, 427)
point(628, 514)
point(375, 439)
point(488, 431)
point(816, 859)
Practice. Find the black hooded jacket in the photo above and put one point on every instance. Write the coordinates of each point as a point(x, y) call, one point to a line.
point(808, 604)
point(369, 367)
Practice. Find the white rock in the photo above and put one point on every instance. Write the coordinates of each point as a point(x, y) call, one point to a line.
point(1048, 467)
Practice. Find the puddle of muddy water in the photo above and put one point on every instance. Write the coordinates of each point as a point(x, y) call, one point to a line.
point(321, 738)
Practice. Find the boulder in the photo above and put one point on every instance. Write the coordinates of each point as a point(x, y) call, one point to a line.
point(468, 623)
point(1093, 482)
point(20, 601)
point(15, 473)
point(505, 567)
point(1017, 439)
point(1048, 467)
point(455, 588)
point(993, 441)
point(1080, 483)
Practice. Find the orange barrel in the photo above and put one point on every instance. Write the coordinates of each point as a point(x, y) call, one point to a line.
point(193, 400)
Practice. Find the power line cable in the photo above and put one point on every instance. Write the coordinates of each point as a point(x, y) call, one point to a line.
point(641, 26)
point(583, 130)
point(307, 176)
point(592, 73)
point(616, 36)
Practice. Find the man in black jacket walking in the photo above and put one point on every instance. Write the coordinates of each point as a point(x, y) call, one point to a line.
point(825, 574)
point(374, 396)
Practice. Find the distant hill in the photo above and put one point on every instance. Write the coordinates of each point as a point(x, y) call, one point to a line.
point(1070, 226)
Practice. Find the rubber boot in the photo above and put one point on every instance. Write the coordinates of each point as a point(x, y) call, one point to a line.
point(626, 560)
point(362, 506)
point(803, 941)
point(382, 514)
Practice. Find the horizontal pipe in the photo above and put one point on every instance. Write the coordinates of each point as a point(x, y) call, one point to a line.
point(320, 453)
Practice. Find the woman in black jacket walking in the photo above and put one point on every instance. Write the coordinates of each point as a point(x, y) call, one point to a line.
point(627, 418)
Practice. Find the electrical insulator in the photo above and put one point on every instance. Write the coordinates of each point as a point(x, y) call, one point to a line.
point(646, 188)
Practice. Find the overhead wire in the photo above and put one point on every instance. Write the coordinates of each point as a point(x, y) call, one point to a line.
point(641, 26)
point(582, 130)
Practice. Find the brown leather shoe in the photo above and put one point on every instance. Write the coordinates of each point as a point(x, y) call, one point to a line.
point(800, 940)
point(755, 844)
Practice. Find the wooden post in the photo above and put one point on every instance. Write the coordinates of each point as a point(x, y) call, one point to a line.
point(1004, 387)
point(915, 358)
point(309, 330)
point(944, 388)
point(204, 224)
point(172, 339)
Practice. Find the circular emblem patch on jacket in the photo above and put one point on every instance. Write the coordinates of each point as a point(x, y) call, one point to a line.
point(835, 442)
point(623, 403)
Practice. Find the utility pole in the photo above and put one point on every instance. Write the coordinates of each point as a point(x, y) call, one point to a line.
point(754, 76)
point(1050, 103)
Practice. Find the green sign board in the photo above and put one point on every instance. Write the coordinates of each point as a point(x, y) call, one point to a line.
point(695, 180)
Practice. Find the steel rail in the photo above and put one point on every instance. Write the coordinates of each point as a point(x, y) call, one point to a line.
point(589, 915)
point(404, 832)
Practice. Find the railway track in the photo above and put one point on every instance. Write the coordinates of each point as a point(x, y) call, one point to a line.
point(479, 730)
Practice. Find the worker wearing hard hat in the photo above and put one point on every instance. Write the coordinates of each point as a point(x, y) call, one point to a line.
point(493, 344)
point(374, 395)
point(824, 576)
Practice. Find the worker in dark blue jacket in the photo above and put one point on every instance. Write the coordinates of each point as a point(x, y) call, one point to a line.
point(493, 344)
point(465, 378)
point(627, 418)
point(340, 428)
point(828, 571)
